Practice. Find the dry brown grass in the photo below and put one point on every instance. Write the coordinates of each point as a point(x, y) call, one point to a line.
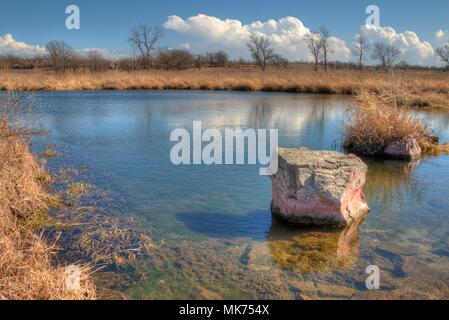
point(433, 149)
point(374, 122)
point(421, 88)
point(93, 231)
point(26, 260)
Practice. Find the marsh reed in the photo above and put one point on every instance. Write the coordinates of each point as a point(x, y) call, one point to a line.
point(421, 88)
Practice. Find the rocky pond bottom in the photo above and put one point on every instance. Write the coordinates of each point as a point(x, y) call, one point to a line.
point(213, 229)
point(307, 266)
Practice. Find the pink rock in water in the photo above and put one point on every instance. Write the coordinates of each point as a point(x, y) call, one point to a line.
point(409, 150)
point(319, 187)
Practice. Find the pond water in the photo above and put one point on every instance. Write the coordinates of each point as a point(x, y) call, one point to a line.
point(212, 225)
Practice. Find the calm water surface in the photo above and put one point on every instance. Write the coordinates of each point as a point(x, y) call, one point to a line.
point(215, 233)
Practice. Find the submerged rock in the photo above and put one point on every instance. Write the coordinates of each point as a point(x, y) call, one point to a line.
point(319, 187)
point(409, 150)
point(314, 249)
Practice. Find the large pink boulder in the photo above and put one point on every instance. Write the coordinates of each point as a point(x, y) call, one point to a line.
point(319, 187)
point(409, 150)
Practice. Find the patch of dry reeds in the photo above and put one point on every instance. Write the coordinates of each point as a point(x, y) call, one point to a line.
point(422, 88)
point(27, 269)
point(92, 229)
point(374, 122)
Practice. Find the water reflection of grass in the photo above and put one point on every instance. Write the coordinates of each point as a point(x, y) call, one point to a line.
point(386, 178)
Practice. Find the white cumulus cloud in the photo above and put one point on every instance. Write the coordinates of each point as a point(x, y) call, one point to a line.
point(106, 53)
point(441, 34)
point(413, 49)
point(186, 46)
point(441, 37)
point(286, 34)
point(8, 45)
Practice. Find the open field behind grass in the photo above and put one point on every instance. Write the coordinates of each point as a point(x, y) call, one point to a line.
point(420, 88)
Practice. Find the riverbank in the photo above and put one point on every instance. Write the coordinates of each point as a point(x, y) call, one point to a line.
point(422, 89)
point(54, 227)
point(27, 260)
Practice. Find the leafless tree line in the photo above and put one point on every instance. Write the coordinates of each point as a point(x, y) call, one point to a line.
point(387, 54)
point(145, 41)
point(320, 49)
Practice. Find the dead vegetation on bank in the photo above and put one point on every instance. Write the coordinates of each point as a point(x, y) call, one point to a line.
point(374, 122)
point(41, 233)
point(26, 259)
point(422, 89)
point(92, 230)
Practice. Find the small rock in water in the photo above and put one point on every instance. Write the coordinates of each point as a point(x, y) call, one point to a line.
point(319, 187)
point(409, 150)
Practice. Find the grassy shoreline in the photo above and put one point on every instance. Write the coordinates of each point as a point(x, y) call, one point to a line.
point(422, 89)
point(27, 260)
point(50, 220)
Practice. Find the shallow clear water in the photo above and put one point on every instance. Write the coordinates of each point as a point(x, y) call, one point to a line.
point(215, 233)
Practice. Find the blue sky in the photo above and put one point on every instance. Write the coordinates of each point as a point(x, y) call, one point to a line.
point(106, 24)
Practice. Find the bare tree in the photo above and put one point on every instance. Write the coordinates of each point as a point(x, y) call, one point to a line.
point(261, 51)
point(200, 61)
point(96, 61)
point(222, 58)
point(7, 62)
point(22, 63)
point(62, 56)
point(279, 61)
point(360, 48)
point(174, 59)
point(386, 54)
point(443, 54)
point(217, 59)
point(127, 64)
point(144, 40)
point(325, 45)
point(314, 44)
point(75, 62)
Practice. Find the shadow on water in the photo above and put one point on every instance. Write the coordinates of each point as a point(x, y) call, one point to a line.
point(308, 250)
point(253, 225)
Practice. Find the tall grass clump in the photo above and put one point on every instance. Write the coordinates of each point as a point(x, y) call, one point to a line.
point(27, 269)
point(374, 122)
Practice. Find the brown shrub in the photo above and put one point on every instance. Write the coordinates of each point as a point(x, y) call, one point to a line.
point(373, 123)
